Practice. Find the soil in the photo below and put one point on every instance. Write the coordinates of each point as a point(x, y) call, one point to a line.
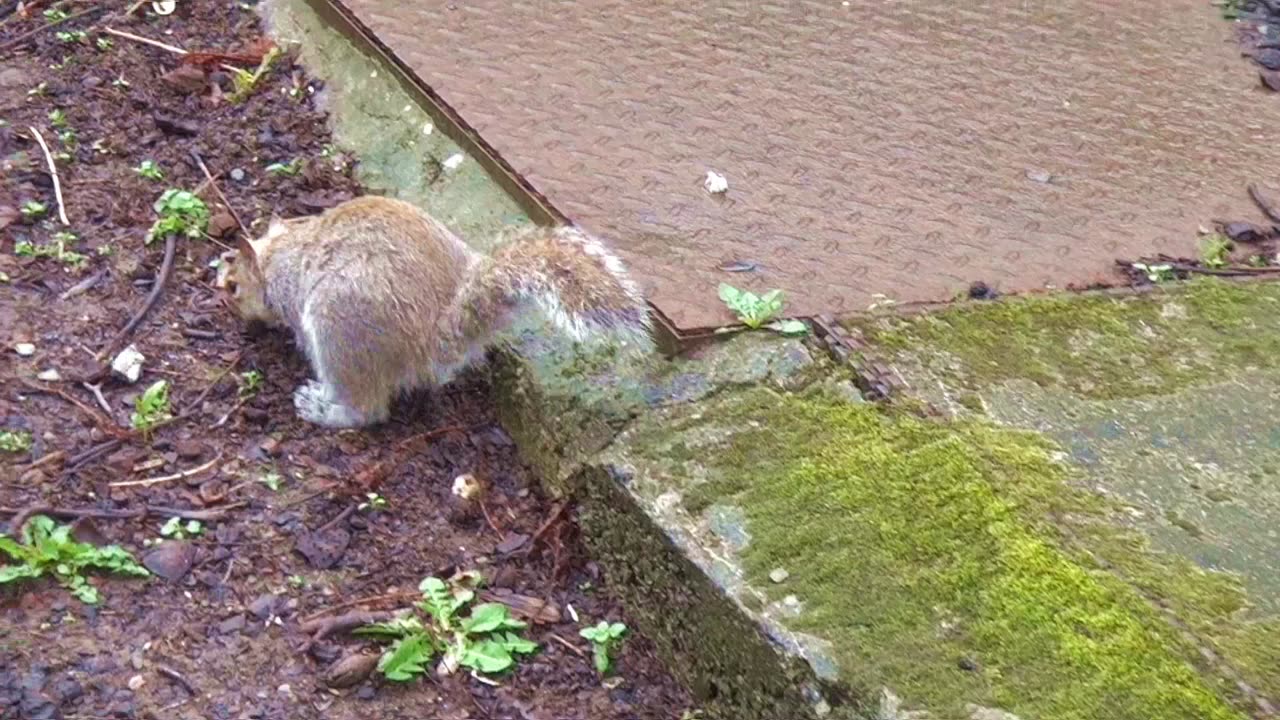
point(223, 638)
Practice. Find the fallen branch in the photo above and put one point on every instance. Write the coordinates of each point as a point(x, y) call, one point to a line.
point(83, 286)
point(156, 44)
point(53, 173)
point(157, 288)
point(572, 648)
point(1267, 208)
point(177, 677)
point(166, 478)
point(320, 629)
point(97, 394)
point(214, 184)
point(32, 33)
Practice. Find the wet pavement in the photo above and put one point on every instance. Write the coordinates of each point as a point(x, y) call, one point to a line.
point(903, 149)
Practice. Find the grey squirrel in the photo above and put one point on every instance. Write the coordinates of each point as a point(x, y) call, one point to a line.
point(383, 298)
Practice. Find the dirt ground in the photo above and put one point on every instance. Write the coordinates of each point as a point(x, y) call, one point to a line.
point(222, 638)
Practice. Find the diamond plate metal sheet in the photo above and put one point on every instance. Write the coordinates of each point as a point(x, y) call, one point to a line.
point(902, 149)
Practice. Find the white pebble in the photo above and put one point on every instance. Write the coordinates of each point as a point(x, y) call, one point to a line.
point(128, 364)
point(49, 375)
point(453, 161)
point(715, 183)
point(25, 349)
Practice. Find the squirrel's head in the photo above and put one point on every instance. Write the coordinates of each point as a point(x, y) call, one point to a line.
point(244, 280)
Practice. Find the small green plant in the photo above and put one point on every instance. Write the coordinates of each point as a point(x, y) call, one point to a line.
point(1258, 261)
point(149, 170)
point(1215, 250)
point(49, 548)
point(373, 501)
point(15, 441)
point(1156, 273)
point(178, 530)
point(244, 82)
point(55, 15)
point(291, 168)
point(58, 118)
point(604, 639)
point(271, 479)
point(181, 213)
point(104, 43)
point(71, 36)
point(297, 581)
point(33, 210)
point(755, 311)
point(152, 407)
point(250, 383)
point(485, 641)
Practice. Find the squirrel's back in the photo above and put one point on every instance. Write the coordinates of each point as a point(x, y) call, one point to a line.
point(383, 297)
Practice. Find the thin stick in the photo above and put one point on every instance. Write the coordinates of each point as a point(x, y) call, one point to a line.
point(97, 393)
point(157, 288)
point(53, 172)
point(21, 515)
point(157, 44)
point(166, 478)
point(104, 423)
point(398, 595)
point(27, 35)
point(1262, 203)
point(572, 648)
point(214, 184)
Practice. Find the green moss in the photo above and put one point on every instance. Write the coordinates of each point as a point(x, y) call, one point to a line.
point(1096, 345)
point(914, 544)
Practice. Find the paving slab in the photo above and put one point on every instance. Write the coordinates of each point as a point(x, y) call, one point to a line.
point(903, 149)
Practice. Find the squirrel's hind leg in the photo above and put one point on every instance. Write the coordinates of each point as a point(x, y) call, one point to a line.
point(319, 403)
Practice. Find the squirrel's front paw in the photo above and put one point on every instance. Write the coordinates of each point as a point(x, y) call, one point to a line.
point(317, 403)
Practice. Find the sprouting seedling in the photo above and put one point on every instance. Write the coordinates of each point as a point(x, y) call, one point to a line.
point(244, 82)
point(149, 170)
point(1215, 251)
point(33, 210)
point(71, 36)
point(178, 530)
point(271, 479)
point(1156, 273)
point(373, 501)
point(291, 168)
point(755, 311)
point(58, 118)
point(152, 407)
point(604, 639)
point(55, 15)
point(250, 383)
point(181, 213)
point(15, 441)
point(104, 43)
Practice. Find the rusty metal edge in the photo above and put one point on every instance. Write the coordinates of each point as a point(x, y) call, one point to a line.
point(671, 340)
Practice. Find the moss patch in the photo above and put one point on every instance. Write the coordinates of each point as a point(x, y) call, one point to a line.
point(953, 563)
point(1098, 346)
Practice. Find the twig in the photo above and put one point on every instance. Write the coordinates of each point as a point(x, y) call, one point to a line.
point(201, 334)
point(319, 629)
point(398, 595)
point(166, 478)
point(53, 173)
point(337, 519)
point(1262, 203)
point(223, 420)
point(103, 423)
point(83, 286)
point(546, 525)
point(45, 460)
point(97, 393)
point(157, 44)
point(32, 33)
point(214, 184)
point(157, 289)
point(21, 515)
point(489, 520)
point(227, 371)
point(572, 648)
point(177, 677)
point(75, 461)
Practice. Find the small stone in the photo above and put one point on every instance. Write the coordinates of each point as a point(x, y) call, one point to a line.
point(1269, 58)
point(791, 602)
point(350, 670)
point(1038, 175)
point(715, 183)
point(25, 349)
point(453, 161)
point(967, 663)
point(171, 559)
point(237, 174)
point(49, 375)
point(779, 575)
point(128, 364)
point(136, 682)
point(220, 224)
point(978, 712)
point(233, 624)
point(189, 449)
point(366, 692)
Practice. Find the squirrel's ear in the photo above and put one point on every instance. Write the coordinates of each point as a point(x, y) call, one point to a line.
point(245, 251)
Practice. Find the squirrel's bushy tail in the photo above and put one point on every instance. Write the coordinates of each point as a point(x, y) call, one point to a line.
point(581, 287)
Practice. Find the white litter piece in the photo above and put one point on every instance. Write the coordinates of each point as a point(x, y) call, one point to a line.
point(128, 364)
point(453, 161)
point(715, 183)
point(49, 375)
point(428, 128)
point(164, 7)
point(25, 349)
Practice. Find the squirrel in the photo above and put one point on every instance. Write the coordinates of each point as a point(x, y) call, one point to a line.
point(383, 299)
